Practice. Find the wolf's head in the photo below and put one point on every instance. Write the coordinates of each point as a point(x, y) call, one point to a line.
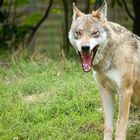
point(87, 34)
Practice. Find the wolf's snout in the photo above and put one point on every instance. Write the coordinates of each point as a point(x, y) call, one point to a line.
point(85, 48)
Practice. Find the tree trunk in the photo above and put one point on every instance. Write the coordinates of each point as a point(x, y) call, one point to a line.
point(87, 6)
point(136, 26)
point(66, 28)
point(1, 2)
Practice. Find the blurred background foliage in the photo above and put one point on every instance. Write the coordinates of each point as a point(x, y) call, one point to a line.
point(43, 25)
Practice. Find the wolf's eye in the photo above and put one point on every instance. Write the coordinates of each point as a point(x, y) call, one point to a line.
point(78, 33)
point(95, 34)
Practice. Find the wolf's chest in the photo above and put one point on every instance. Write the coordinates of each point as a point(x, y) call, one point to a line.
point(110, 79)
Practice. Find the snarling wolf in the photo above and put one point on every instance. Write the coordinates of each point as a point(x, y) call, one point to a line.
point(113, 53)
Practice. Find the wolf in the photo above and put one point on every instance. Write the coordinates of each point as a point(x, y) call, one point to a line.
point(113, 54)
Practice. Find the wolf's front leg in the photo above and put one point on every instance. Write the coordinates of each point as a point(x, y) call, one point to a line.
point(108, 108)
point(124, 106)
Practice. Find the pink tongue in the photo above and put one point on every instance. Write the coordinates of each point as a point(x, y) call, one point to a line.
point(86, 58)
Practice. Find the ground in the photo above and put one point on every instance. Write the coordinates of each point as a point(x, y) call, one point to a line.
point(51, 100)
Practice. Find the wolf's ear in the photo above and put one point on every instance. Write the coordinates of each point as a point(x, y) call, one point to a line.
point(76, 12)
point(101, 13)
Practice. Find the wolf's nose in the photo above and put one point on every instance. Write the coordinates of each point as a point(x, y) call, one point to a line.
point(85, 48)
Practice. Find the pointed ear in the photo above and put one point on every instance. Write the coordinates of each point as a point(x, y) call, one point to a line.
point(76, 12)
point(101, 13)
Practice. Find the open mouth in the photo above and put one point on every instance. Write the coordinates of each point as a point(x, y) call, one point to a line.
point(87, 58)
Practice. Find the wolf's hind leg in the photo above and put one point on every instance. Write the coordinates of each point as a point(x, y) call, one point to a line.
point(124, 106)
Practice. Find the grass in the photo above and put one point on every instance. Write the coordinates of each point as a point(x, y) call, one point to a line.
point(54, 100)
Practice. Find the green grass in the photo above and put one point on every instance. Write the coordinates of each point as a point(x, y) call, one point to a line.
point(54, 100)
